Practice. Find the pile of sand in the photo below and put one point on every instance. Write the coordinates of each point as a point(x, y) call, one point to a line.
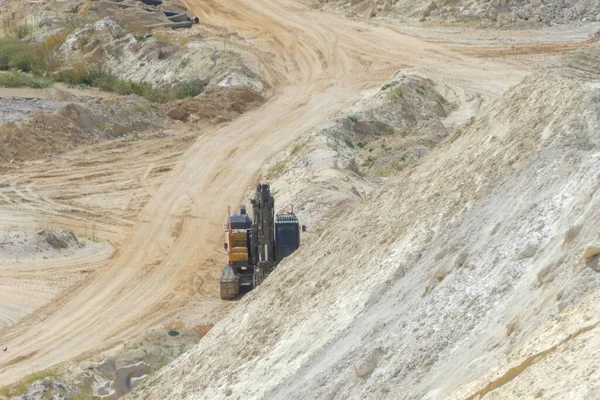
point(74, 125)
point(216, 104)
point(473, 254)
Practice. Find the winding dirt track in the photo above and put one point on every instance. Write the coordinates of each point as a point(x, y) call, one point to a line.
point(321, 64)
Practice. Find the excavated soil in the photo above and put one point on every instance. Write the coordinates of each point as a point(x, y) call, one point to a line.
point(362, 310)
point(73, 125)
point(217, 104)
point(473, 273)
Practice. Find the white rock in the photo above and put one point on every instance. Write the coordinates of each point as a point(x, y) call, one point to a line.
point(529, 251)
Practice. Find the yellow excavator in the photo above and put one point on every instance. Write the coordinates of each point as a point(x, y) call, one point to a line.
point(255, 246)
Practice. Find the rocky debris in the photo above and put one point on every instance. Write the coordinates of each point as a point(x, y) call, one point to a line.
point(591, 257)
point(571, 234)
point(45, 241)
point(17, 109)
point(49, 388)
point(59, 239)
point(529, 250)
point(106, 27)
point(159, 58)
point(178, 114)
point(106, 368)
point(495, 12)
point(112, 383)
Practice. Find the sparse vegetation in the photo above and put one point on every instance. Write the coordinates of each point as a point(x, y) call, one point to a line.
point(169, 39)
point(140, 36)
point(41, 60)
point(19, 79)
point(174, 327)
point(21, 387)
point(349, 143)
point(383, 172)
point(297, 148)
point(203, 329)
point(83, 75)
point(14, 30)
point(276, 169)
point(353, 118)
point(38, 58)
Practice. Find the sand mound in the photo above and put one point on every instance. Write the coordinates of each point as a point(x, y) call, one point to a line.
point(73, 125)
point(326, 170)
point(433, 280)
point(216, 104)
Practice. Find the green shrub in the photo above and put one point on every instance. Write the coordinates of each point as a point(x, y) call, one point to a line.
point(349, 143)
point(79, 74)
point(353, 118)
point(7, 51)
point(27, 57)
point(24, 61)
point(361, 145)
point(297, 148)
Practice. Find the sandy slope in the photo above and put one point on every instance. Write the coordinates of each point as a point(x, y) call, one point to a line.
point(321, 64)
point(461, 277)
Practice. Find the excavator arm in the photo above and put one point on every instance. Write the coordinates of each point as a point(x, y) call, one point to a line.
point(263, 233)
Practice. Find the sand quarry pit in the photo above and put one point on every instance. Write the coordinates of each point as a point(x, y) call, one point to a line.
point(137, 199)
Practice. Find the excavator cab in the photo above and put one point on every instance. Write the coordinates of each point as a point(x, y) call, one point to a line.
point(287, 235)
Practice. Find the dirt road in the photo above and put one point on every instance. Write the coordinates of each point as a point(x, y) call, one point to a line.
point(321, 64)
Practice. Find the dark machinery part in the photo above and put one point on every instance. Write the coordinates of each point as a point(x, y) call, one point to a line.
point(255, 246)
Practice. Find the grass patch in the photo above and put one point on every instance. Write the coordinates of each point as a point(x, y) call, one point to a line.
point(41, 59)
point(37, 58)
point(84, 75)
point(383, 172)
point(297, 148)
point(18, 79)
point(21, 387)
point(276, 169)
